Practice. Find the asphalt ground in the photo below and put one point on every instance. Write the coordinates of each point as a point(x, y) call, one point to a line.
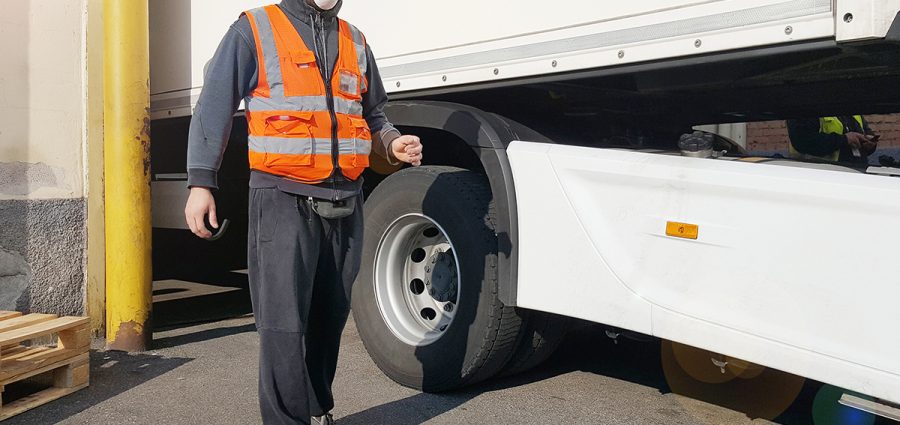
point(206, 374)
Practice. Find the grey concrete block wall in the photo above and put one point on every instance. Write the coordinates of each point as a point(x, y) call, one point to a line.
point(43, 255)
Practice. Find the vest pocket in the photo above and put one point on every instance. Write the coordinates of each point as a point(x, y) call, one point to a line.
point(279, 160)
point(300, 73)
point(349, 84)
point(296, 124)
point(362, 142)
point(303, 58)
point(289, 140)
point(361, 160)
point(360, 128)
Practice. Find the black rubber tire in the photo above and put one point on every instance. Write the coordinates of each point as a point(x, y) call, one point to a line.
point(484, 332)
point(541, 336)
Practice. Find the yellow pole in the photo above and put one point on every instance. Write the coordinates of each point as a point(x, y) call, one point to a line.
point(127, 173)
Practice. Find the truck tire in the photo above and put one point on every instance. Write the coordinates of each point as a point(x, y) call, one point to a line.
point(541, 336)
point(427, 227)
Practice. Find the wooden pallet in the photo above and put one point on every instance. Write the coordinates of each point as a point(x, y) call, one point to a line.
point(65, 364)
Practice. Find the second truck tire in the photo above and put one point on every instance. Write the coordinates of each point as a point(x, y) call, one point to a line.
point(542, 333)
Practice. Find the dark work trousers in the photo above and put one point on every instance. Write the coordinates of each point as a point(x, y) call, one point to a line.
point(302, 268)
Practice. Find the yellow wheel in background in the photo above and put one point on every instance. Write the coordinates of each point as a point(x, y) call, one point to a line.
point(753, 390)
point(742, 368)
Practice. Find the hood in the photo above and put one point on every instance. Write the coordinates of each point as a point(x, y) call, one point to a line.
point(302, 10)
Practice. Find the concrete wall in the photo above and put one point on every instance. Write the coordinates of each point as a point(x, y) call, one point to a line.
point(44, 135)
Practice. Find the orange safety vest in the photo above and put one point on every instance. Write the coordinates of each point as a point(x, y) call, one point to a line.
point(293, 133)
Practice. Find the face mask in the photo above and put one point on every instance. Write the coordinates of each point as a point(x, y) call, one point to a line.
point(325, 4)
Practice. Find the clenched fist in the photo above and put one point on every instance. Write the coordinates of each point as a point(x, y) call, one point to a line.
point(407, 149)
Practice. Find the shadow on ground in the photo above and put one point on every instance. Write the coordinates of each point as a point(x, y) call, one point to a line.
point(588, 349)
point(112, 373)
point(201, 336)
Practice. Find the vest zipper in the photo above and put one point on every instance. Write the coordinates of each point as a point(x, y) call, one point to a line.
point(319, 38)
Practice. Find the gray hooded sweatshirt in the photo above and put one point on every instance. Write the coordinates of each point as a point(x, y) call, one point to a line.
point(232, 75)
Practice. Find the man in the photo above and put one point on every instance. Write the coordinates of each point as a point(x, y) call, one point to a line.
point(314, 102)
point(833, 139)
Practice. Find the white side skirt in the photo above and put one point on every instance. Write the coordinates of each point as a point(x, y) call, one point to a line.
point(793, 268)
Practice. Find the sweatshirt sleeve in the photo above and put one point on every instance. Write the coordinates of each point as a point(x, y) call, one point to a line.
point(383, 132)
point(230, 76)
point(807, 139)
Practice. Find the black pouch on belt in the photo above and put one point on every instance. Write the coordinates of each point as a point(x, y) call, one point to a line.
point(332, 210)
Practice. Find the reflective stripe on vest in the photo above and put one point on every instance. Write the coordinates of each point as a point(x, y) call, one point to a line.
point(827, 125)
point(290, 126)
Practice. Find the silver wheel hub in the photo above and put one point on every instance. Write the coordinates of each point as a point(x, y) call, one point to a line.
point(416, 279)
point(440, 276)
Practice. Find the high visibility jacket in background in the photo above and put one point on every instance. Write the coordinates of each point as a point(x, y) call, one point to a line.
point(302, 124)
point(828, 125)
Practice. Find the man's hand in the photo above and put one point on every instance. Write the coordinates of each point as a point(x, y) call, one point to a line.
point(856, 140)
point(199, 204)
point(407, 149)
point(870, 145)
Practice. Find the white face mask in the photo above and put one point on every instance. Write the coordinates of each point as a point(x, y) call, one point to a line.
point(325, 4)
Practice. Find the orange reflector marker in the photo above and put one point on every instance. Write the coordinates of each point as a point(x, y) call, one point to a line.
point(682, 230)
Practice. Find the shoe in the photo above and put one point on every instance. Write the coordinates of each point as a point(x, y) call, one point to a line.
point(325, 419)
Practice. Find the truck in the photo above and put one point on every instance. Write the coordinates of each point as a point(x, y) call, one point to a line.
point(586, 161)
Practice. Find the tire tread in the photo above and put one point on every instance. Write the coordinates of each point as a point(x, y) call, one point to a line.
point(498, 344)
point(542, 335)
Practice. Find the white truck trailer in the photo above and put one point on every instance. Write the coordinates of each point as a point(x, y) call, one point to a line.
point(554, 186)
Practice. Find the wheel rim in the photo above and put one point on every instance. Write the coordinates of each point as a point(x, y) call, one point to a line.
point(416, 279)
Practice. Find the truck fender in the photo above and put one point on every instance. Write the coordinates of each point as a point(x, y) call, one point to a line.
point(488, 135)
point(893, 34)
